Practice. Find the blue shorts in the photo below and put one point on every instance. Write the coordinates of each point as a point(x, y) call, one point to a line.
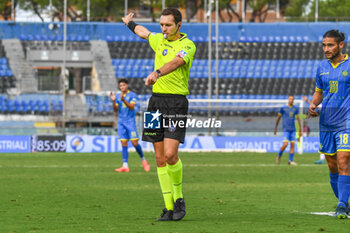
point(331, 142)
point(289, 136)
point(127, 130)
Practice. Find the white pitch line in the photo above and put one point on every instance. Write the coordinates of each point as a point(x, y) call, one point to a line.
point(331, 214)
point(248, 165)
point(185, 165)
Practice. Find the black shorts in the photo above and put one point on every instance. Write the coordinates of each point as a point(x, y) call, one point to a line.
point(174, 109)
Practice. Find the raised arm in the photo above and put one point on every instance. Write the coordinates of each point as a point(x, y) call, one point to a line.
point(115, 106)
point(139, 30)
point(166, 69)
point(130, 105)
point(306, 100)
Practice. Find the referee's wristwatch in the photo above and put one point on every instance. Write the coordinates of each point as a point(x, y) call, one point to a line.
point(159, 73)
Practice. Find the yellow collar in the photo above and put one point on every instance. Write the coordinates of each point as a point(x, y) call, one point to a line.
point(126, 93)
point(346, 57)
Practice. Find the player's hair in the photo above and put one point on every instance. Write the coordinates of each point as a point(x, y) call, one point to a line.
point(339, 36)
point(123, 80)
point(174, 12)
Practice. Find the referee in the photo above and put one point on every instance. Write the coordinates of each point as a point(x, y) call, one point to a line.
point(174, 54)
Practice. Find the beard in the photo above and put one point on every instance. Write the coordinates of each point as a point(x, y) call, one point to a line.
point(335, 54)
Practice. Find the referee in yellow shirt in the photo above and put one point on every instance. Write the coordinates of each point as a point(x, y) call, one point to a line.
point(174, 54)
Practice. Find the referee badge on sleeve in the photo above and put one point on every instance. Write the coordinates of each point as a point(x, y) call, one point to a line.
point(181, 54)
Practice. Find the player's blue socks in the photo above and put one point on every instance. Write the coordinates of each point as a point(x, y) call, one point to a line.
point(344, 190)
point(334, 183)
point(280, 153)
point(291, 157)
point(125, 154)
point(139, 151)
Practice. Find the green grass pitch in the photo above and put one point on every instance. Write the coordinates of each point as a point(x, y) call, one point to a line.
point(224, 192)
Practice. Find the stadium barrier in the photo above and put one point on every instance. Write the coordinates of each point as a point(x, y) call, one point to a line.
point(105, 144)
point(85, 31)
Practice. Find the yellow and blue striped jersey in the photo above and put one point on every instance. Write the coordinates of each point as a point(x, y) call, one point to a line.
point(333, 80)
point(124, 113)
point(288, 114)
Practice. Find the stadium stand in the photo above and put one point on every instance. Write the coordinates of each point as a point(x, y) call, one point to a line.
point(34, 104)
point(271, 71)
point(252, 64)
point(7, 80)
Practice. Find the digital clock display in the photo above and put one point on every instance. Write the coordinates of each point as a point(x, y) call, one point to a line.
point(42, 143)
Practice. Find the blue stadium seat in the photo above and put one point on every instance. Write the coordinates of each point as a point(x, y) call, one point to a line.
point(242, 39)
point(9, 73)
point(3, 61)
point(30, 37)
point(71, 37)
point(37, 37)
point(52, 37)
point(43, 37)
point(80, 38)
point(23, 37)
point(86, 38)
point(25, 106)
point(306, 39)
point(109, 38)
point(291, 38)
point(18, 106)
point(59, 37)
point(10, 106)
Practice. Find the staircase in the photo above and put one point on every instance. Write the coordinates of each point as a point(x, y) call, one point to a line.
point(75, 107)
point(22, 70)
point(102, 64)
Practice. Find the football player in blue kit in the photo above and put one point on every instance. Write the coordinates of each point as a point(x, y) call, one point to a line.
point(124, 104)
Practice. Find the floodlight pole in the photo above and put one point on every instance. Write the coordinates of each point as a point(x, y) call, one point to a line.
point(243, 11)
point(217, 59)
point(88, 11)
point(209, 62)
point(217, 49)
point(163, 4)
point(50, 9)
point(13, 10)
point(278, 10)
point(63, 69)
point(205, 10)
point(125, 7)
point(316, 11)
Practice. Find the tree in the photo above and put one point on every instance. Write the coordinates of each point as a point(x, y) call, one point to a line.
point(101, 10)
point(295, 8)
point(231, 12)
point(259, 8)
point(5, 8)
point(331, 10)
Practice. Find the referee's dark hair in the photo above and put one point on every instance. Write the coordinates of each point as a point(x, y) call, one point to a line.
point(175, 12)
point(123, 80)
point(339, 36)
